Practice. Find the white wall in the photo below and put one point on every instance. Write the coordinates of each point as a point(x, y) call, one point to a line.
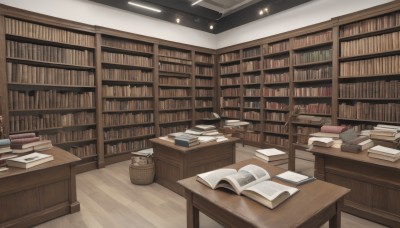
point(307, 14)
point(97, 14)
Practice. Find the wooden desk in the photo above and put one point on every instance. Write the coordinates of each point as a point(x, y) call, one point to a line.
point(174, 163)
point(32, 196)
point(374, 183)
point(315, 203)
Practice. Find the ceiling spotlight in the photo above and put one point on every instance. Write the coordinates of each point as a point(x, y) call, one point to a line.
point(178, 20)
point(266, 9)
point(261, 12)
point(145, 7)
point(212, 25)
point(196, 2)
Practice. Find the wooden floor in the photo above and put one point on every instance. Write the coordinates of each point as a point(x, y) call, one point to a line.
point(108, 199)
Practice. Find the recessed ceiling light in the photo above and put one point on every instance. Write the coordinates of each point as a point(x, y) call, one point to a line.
point(196, 2)
point(261, 12)
point(178, 20)
point(211, 26)
point(266, 9)
point(145, 7)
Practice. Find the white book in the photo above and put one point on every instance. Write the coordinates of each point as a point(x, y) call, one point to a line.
point(270, 152)
point(388, 126)
point(384, 151)
point(29, 160)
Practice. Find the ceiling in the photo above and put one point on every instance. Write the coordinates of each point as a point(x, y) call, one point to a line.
point(222, 14)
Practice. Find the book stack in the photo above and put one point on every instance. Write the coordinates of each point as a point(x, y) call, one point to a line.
point(327, 137)
point(207, 130)
point(384, 153)
point(27, 142)
point(186, 140)
point(353, 143)
point(29, 160)
point(235, 123)
point(385, 132)
point(5, 151)
point(272, 156)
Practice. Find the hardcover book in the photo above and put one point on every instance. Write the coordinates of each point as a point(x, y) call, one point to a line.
point(251, 181)
point(294, 178)
point(271, 154)
point(30, 160)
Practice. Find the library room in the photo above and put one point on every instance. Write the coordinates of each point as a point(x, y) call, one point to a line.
point(200, 113)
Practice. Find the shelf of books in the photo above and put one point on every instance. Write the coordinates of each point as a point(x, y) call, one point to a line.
point(369, 71)
point(174, 89)
point(312, 85)
point(51, 84)
point(276, 96)
point(230, 85)
point(127, 72)
point(204, 79)
point(251, 78)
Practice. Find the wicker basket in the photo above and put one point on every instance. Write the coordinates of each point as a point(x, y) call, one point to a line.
point(140, 173)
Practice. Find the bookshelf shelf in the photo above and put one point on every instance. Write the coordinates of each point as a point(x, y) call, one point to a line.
point(173, 109)
point(174, 86)
point(327, 80)
point(174, 73)
point(314, 63)
point(129, 138)
point(276, 83)
point(125, 66)
point(204, 76)
point(30, 86)
point(275, 121)
point(278, 110)
point(308, 124)
point(174, 122)
point(209, 107)
point(174, 63)
point(127, 125)
point(252, 84)
point(172, 57)
point(47, 42)
point(276, 133)
point(125, 82)
point(369, 55)
point(277, 68)
point(247, 108)
point(49, 64)
point(130, 110)
point(122, 97)
point(373, 76)
point(313, 46)
point(284, 52)
point(125, 51)
point(53, 128)
point(75, 142)
point(233, 85)
point(313, 97)
point(229, 74)
point(369, 99)
point(71, 109)
point(230, 62)
point(204, 63)
point(176, 97)
point(371, 121)
point(372, 33)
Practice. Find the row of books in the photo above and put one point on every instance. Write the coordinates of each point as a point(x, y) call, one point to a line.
point(203, 114)
point(277, 61)
point(230, 92)
point(235, 114)
point(40, 99)
point(313, 56)
point(50, 120)
point(252, 92)
point(21, 73)
point(276, 116)
point(276, 92)
point(311, 39)
point(370, 111)
point(174, 60)
point(53, 54)
point(282, 141)
point(175, 81)
point(252, 136)
point(204, 58)
point(253, 115)
point(166, 117)
point(250, 104)
point(174, 53)
point(204, 92)
point(122, 147)
point(277, 128)
point(253, 52)
point(230, 69)
point(250, 79)
point(370, 89)
point(119, 133)
point(174, 104)
point(372, 66)
point(204, 70)
point(230, 102)
point(134, 60)
point(113, 119)
point(127, 91)
point(252, 65)
point(127, 75)
point(314, 108)
point(69, 136)
point(120, 105)
point(317, 91)
point(204, 82)
point(169, 67)
point(227, 57)
point(277, 105)
point(203, 103)
point(276, 77)
point(42, 32)
point(84, 151)
point(230, 81)
point(276, 47)
point(126, 44)
point(374, 44)
point(174, 92)
point(165, 130)
point(313, 73)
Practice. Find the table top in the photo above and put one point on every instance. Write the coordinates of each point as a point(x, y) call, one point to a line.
point(314, 196)
point(61, 157)
point(360, 157)
point(187, 149)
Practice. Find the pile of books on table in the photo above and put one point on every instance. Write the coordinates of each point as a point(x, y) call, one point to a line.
point(384, 132)
point(27, 142)
point(327, 137)
point(186, 140)
point(354, 143)
point(5, 151)
point(235, 123)
point(206, 130)
point(272, 156)
point(384, 153)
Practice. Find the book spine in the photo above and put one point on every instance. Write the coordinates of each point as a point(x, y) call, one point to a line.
point(350, 148)
point(332, 129)
point(22, 136)
point(4, 142)
point(24, 141)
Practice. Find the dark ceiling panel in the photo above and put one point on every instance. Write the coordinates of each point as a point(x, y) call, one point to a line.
point(198, 17)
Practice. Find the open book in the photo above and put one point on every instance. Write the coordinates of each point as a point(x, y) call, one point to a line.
point(251, 181)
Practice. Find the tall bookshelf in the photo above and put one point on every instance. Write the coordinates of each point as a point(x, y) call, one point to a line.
point(312, 85)
point(174, 89)
point(251, 78)
point(230, 85)
point(204, 84)
point(276, 93)
point(127, 72)
point(369, 57)
point(51, 84)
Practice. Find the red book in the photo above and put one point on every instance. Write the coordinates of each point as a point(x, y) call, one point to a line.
point(15, 142)
point(22, 136)
point(333, 129)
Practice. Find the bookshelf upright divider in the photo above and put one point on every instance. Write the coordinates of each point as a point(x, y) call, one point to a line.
point(99, 104)
point(3, 80)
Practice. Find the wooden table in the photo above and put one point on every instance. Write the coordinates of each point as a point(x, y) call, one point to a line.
point(374, 183)
point(315, 203)
point(32, 196)
point(174, 162)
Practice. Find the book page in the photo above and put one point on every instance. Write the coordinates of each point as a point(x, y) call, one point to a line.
point(212, 178)
point(246, 176)
point(270, 189)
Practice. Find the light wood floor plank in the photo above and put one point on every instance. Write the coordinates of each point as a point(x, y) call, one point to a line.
point(108, 199)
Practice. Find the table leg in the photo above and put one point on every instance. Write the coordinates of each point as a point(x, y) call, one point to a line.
point(192, 212)
point(335, 221)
